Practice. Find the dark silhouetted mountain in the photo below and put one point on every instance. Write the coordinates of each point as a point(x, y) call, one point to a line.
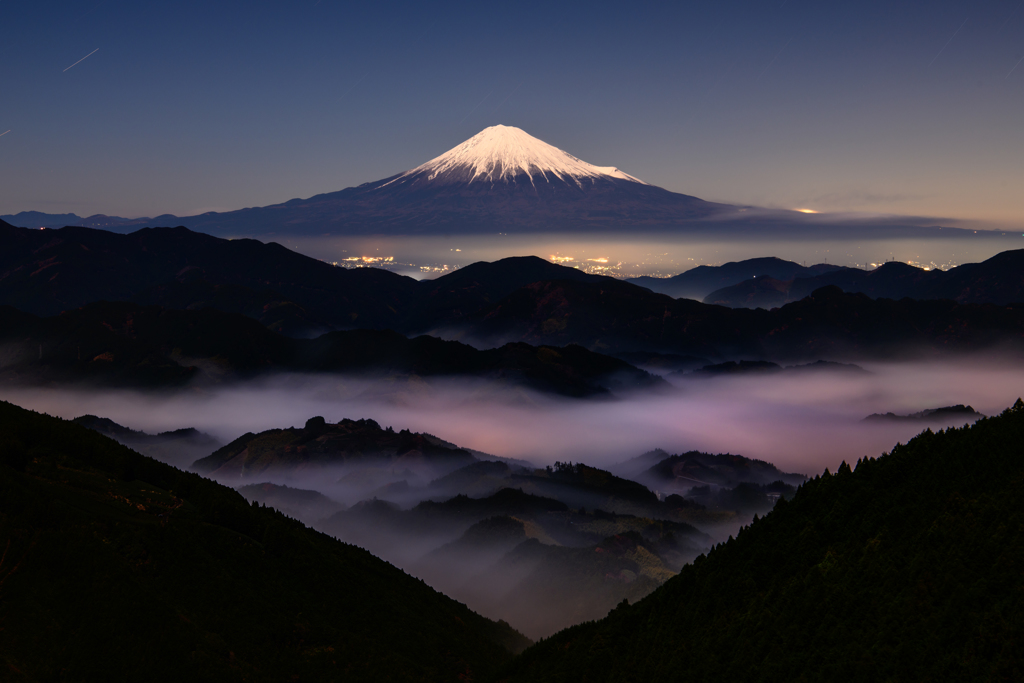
point(485, 304)
point(178, 578)
point(38, 219)
point(475, 480)
point(998, 280)
point(320, 444)
point(958, 414)
point(309, 507)
point(507, 501)
point(743, 367)
point(698, 282)
point(123, 344)
point(49, 271)
point(684, 471)
point(405, 536)
point(761, 367)
point(826, 366)
point(905, 567)
point(468, 290)
point(179, 447)
point(762, 292)
point(576, 484)
point(744, 499)
point(662, 363)
point(581, 485)
point(618, 317)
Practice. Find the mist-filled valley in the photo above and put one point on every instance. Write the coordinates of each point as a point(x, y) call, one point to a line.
point(536, 509)
point(804, 421)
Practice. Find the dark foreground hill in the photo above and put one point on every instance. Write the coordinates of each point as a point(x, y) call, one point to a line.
point(117, 567)
point(905, 568)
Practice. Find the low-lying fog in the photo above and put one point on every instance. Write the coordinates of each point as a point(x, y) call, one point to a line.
point(801, 423)
point(546, 569)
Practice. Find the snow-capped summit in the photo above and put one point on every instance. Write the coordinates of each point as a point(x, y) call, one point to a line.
point(501, 180)
point(505, 154)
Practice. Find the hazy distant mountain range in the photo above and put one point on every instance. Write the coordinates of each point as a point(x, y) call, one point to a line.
point(501, 180)
point(998, 280)
point(698, 282)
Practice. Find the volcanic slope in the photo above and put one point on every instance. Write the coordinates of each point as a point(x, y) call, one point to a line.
point(178, 578)
point(906, 567)
point(500, 180)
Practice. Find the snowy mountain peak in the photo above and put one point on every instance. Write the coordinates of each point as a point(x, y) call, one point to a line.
point(510, 155)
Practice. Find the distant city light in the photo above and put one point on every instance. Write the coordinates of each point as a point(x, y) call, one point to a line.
point(806, 210)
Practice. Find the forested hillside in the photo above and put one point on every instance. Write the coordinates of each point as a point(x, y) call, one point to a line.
point(117, 567)
point(904, 568)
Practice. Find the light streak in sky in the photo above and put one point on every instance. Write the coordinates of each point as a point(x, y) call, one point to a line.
point(475, 108)
point(83, 58)
point(775, 57)
point(1014, 68)
point(5, 133)
point(506, 98)
point(947, 42)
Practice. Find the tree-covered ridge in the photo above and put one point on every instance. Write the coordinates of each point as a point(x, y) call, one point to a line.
point(118, 567)
point(320, 443)
point(906, 567)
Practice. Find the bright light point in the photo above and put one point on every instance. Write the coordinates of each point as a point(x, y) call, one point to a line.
point(561, 259)
point(806, 210)
point(598, 260)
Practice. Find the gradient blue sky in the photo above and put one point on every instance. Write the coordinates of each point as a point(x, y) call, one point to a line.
point(905, 107)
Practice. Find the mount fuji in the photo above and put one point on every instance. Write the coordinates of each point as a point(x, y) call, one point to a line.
point(500, 180)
